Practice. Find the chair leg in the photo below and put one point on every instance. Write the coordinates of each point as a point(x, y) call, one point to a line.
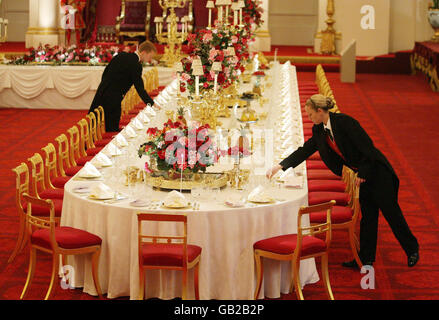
point(354, 248)
point(141, 283)
point(63, 260)
point(196, 282)
point(21, 239)
point(95, 271)
point(325, 276)
point(184, 287)
point(259, 274)
point(296, 275)
point(55, 269)
point(30, 272)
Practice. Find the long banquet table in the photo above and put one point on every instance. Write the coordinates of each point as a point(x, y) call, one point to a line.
point(225, 234)
point(55, 87)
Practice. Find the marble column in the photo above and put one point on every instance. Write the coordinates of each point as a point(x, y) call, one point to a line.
point(44, 23)
point(263, 38)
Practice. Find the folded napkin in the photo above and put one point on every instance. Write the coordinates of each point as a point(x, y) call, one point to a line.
point(294, 182)
point(287, 142)
point(101, 160)
point(102, 191)
point(138, 125)
point(130, 131)
point(150, 111)
point(89, 171)
point(143, 117)
point(121, 141)
point(259, 194)
point(175, 199)
point(113, 150)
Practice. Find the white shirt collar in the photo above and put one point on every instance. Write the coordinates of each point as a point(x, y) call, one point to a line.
point(328, 125)
point(137, 55)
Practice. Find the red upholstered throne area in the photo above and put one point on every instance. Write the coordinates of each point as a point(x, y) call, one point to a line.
point(135, 14)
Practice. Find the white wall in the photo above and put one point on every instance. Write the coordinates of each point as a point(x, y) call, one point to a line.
point(17, 12)
point(293, 22)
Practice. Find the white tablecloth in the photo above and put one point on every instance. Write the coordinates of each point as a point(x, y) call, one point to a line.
point(226, 235)
point(55, 87)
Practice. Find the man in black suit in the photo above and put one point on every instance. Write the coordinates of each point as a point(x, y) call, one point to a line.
point(340, 141)
point(123, 71)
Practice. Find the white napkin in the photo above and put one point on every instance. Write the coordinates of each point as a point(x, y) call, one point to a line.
point(113, 150)
point(102, 191)
point(130, 131)
point(101, 160)
point(149, 110)
point(259, 194)
point(144, 118)
point(121, 141)
point(287, 142)
point(175, 199)
point(137, 124)
point(89, 171)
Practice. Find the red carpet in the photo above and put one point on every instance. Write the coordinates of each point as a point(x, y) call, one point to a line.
point(380, 102)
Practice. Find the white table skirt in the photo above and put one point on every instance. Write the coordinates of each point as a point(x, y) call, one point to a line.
point(225, 235)
point(55, 87)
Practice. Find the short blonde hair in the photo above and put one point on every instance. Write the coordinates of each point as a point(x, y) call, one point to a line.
point(147, 46)
point(319, 101)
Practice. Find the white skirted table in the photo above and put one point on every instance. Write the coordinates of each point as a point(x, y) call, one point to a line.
point(226, 235)
point(55, 87)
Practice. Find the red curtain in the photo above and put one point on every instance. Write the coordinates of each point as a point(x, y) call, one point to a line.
point(90, 19)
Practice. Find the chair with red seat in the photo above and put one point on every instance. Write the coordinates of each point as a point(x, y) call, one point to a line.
point(315, 164)
point(162, 252)
point(78, 153)
point(51, 167)
point(86, 144)
point(41, 187)
point(345, 217)
point(321, 174)
point(66, 162)
point(100, 118)
point(57, 241)
point(297, 247)
point(23, 186)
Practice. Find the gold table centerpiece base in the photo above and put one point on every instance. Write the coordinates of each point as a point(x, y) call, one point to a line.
point(218, 180)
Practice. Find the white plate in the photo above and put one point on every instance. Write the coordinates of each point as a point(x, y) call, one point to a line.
point(92, 197)
point(139, 203)
point(89, 176)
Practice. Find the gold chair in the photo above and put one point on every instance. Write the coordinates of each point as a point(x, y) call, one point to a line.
point(93, 126)
point(100, 117)
point(42, 187)
point(67, 164)
point(156, 254)
point(134, 20)
point(57, 241)
point(51, 167)
point(296, 247)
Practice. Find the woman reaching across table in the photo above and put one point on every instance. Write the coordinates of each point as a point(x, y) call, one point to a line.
point(340, 141)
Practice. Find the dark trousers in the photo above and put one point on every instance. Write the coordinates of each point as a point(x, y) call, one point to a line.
point(112, 111)
point(380, 192)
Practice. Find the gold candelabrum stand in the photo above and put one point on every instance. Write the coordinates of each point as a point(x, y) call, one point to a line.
point(3, 34)
point(172, 37)
point(205, 108)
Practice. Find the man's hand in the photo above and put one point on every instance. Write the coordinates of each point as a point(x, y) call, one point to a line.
point(157, 106)
point(271, 172)
point(359, 181)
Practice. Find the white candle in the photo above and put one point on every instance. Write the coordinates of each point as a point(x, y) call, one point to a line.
point(215, 83)
point(227, 13)
point(210, 17)
point(220, 14)
point(240, 16)
point(275, 55)
point(169, 28)
point(235, 17)
point(197, 86)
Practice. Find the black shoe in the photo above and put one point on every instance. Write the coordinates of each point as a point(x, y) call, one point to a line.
point(413, 259)
point(354, 264)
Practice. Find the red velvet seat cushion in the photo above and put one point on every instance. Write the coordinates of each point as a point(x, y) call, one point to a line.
point(81, 161)
point(306, 120)
point(66, 237)
point(73, 170)
point(109, 135)
point(286, 244)
point(93, 151)
point(318, 197)
point(59, 182)
point(132, 27)
point(307, 132)
point(168, 254)
point(308, 125)
point(39, 211)
point(326, 185)
point(320, 174)
point(52, 194)
point(133, 111)
point(315, 164)
point(102, 143)
point(339, 214)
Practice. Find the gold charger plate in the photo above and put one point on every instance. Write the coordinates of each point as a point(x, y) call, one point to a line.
point(92, 197)
point(176, 207)
point(262, 202)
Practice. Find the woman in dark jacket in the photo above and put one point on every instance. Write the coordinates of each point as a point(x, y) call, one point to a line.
point(340, 141)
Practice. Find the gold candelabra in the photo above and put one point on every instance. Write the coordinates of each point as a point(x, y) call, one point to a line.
point(3, 34)
point(172, 37)
point(329, 35)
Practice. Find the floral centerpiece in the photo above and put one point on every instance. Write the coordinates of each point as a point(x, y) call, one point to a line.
point(212, 46)
point(179, 148)
point(252, 13)
point(71, 55)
